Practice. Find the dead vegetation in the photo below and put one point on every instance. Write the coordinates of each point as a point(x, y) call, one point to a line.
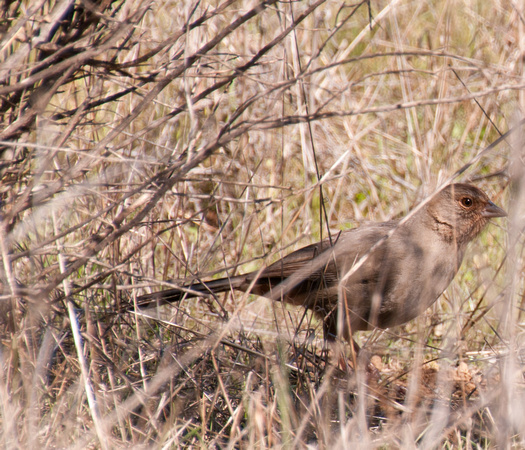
point(144, 142)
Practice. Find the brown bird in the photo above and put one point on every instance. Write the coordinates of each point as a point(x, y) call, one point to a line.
point(384, 274)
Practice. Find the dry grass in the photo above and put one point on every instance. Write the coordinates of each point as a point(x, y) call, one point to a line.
point(144, 142)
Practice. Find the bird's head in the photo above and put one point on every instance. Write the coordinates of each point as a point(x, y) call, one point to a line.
point(460, 211)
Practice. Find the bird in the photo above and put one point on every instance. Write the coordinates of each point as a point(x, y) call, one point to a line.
point(378, 275)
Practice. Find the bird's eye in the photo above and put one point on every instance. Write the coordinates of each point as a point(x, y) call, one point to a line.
point(466, 202)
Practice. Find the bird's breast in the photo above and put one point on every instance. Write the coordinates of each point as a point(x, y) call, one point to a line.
point(424, 269)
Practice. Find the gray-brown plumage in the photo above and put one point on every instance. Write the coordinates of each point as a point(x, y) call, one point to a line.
point(412, 263)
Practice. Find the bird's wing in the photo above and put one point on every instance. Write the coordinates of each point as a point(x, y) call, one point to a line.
point(330, 256)
point(295, 261)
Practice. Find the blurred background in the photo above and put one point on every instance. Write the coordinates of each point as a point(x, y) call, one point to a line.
point(144, 143)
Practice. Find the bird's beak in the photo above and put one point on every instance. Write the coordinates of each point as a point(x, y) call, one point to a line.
point(491, 210)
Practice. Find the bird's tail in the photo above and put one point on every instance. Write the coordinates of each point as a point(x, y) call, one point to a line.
point(192, 290)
